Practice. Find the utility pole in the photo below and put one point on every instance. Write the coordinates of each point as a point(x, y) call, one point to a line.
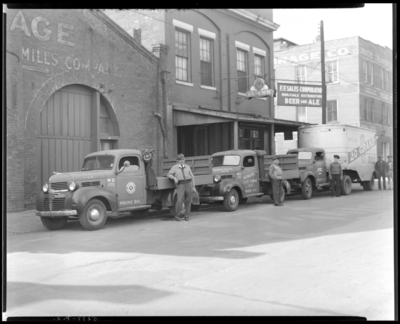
point(323, 72)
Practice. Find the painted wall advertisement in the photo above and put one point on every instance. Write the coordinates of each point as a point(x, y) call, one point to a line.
point(291, 94)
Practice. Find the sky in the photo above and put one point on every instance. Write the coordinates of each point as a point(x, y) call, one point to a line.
point(373, 22)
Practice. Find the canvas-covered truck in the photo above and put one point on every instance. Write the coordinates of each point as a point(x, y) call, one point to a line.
point(110, 182)
point(238, 175)
point(318, 144)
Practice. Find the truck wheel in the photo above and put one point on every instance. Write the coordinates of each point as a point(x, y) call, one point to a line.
point(345, 185)
point(93, 216)
point(54, 223)
point(231, 201)
point(306, 189)
point(369, 185)
point(243, 201)
point(139, 213)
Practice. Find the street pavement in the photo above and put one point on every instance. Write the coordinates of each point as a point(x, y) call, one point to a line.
point(321, 257)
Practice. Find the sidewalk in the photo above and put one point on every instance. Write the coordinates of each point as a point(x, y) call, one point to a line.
point(23, 222)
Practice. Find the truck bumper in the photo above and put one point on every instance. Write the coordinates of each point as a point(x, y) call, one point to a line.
point(59, 213)
point(217, 198)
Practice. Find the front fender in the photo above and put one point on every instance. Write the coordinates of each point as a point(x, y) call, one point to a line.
point(224, 187)
point(82, 196)
point(307, 174)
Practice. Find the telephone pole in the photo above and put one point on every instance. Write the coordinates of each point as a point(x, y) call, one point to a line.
point(323, 72)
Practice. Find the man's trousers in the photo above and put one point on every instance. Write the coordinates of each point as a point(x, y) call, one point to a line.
point(184, 193)
point(276, 189)
point(335, 184)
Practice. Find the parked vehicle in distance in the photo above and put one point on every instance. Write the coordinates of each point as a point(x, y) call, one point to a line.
point(238, 175)
point(318, 144)
point(109, 181)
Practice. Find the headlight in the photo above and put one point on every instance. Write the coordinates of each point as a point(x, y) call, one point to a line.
point(46, 187)
point(72, 186)
point(217, 178)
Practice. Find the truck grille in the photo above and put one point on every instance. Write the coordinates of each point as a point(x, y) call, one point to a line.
point(57, 204)
point(91, 184)
point(59, 186)
point(226, 176)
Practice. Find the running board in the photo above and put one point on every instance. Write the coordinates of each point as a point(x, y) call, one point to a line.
point(134, 208)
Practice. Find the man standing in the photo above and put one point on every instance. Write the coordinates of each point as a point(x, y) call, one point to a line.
point(389, 170)
point(184, 179)
point(380, 169)
point(275, 174)
point(335, 175)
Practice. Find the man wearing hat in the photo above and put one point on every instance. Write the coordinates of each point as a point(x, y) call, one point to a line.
point(335, 175)
point(184, 179)
point(275, 173)
point(389, 170)
point(380, 169)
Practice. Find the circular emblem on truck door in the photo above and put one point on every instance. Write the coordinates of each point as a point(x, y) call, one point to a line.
point(130, 187)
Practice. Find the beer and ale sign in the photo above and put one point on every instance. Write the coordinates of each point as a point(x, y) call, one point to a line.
point(292, 94)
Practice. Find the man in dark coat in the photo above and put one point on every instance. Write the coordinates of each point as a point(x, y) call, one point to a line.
point(335, 175)
point(380, 169)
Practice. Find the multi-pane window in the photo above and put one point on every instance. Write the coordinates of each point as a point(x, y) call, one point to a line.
point(206, 61)
point(386, 81)
point(301, 114)
point(301, 73)
point(331, 110)
point(332, 72)
point(382, 79)
point(387, 117)
point(365, 111)
point(259, 66)
point(378, 114)
point(242, 63)
point(370, 73)
point(105, 121)
point(365, 71)
point(371, 111)
point(182, 52)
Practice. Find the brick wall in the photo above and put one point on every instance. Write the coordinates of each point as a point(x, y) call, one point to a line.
point(88, 49)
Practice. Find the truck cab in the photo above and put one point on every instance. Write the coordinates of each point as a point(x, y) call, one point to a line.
point(312, 162)
point(237, 175)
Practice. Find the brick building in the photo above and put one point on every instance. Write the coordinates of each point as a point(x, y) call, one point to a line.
point(76, 83)
point(359, 84)
point(210, 59)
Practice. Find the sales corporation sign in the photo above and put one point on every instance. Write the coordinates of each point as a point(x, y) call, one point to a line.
point(259, 90)
point(305, 95)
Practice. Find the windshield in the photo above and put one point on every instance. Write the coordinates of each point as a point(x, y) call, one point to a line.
point(98, 162)
point(225, 160)
point(305, 155)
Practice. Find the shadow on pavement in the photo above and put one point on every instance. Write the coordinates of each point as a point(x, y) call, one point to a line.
point(119, 294)
point(213, 232)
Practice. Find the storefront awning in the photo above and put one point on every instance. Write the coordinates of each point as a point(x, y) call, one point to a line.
point(184, 116)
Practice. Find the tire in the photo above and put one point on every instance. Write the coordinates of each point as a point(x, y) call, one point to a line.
point(307, 189)
point(242, 201)
point(139, 213)
point(54, 223)
point(231, 201)
point(345, 185)
point(369, 185)
point(93, 216)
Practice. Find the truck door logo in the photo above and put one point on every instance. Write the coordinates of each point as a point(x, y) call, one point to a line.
point(130, 187)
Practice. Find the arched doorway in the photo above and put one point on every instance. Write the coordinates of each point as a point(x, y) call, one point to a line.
point(72, 124)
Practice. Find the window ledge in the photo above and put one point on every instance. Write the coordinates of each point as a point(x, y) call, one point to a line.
point(208, 88)
point(184, 83)
point(241, 94)
point(261, 98)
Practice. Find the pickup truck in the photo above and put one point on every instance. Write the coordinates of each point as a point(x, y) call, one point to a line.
point(309, 170)
point(110, 181)
point(238, 175)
